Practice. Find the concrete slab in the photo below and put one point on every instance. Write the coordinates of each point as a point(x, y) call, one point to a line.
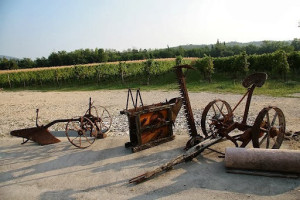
point(102, 171)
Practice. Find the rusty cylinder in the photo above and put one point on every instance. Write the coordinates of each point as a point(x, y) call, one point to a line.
point(277, 160)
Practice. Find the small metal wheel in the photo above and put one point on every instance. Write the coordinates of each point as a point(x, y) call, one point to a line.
point(81, 132)
point(269, 128)
point(101, 118)
point(215, 115)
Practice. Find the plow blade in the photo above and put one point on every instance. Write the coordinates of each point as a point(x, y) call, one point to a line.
point(40, 135)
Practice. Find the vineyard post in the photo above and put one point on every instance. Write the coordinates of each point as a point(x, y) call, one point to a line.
point(98, 77)
point(8, 80)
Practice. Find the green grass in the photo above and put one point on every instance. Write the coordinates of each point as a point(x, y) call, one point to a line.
point(195, 83)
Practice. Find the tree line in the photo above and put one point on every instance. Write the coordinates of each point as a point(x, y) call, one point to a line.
point(85, 56)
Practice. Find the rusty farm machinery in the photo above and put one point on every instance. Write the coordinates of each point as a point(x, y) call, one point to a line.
point(152, 125)
point(218, 123)
point(81, 131)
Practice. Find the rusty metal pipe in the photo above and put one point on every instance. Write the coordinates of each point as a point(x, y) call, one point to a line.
point(275, 160)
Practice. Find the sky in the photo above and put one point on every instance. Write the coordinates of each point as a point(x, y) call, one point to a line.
point(35, 28)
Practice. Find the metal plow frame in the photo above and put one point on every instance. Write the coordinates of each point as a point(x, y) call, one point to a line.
point(88, 127)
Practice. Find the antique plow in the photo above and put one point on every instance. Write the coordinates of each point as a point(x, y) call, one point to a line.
point(217, 122)
point(80, 131)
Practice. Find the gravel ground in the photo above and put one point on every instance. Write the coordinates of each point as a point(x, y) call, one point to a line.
point(18, 109)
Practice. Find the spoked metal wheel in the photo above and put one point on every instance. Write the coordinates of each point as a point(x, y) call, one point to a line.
point(215, 115)
point(101, 118)
point(81, 132)
point(269, 128)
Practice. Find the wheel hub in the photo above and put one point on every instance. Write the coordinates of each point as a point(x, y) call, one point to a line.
point(273, 132)
point(80, 132)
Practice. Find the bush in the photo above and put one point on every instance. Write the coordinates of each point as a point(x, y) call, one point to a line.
point(280, 64)
point(294, 62)
point(206, 67)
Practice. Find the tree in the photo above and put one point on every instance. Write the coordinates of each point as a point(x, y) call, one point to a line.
point(251, 49)
point(41, 62)
point(6, 64)
point(122, 70)
point(147, 69)
point(218, 49)
point(280, 64)
point(294, 62)
point(113, 55)
point(296, 44)
point(178, 60)
point(54, 59)
point(206, 67)
point(272, 46)
point(26, 63)
point(240, 64)
point(65, 58)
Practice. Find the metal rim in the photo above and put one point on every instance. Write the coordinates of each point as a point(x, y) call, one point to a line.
point(269, 128)
point(215, 110)
point(101, 118)
point(85, 130)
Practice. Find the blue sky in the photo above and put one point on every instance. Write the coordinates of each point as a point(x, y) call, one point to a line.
point(35, 28)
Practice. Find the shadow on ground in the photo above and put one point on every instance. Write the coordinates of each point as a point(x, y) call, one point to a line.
point(111, 158)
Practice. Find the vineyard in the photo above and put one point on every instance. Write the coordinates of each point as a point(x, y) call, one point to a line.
point(279, 65)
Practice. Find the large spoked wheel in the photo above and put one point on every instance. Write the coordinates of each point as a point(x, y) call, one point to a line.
point(81, 132)
point(215, 115)
point(269, 128)
point(101, 118)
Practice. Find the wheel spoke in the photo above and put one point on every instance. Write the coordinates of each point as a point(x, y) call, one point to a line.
point(88, 139)
point(96, 112)
point(275, 141)
point(106, 128)
point(220, 110)
point(268, 140)
point(94, 133)
point(102, 113)
point(75, 125)
point(262, 140)
point(274, 119)
point(268, 119)
point(213, 107)
point(222, 106)
point(75, 138)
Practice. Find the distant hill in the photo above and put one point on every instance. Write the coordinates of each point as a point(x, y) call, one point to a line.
point(8, 57)
point(233, 43)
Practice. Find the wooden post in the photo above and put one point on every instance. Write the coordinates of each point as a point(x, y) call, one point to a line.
point(8, 80)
